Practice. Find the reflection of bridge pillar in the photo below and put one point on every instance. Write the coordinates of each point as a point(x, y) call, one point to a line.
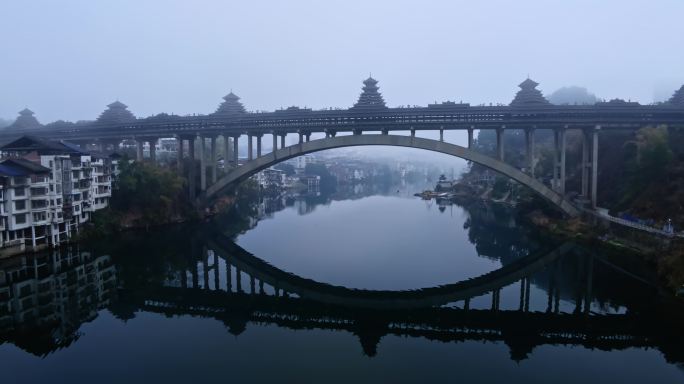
point(585, 164)
point(236, 150)
point(252, 285)
point(527, 294)
point(466, 304)
point(529, 150)
point(139, 150)
point(258, 138)
point(205, 267)
point(212, 159)
point(238, 279)
point(470, 136)
point(385, 131)
point(229, 277)
point(561, 148)
point(594, 166)
point(522, 294)
point(500, 143)
point(203, 164)
point(249, 147)
point(195, 275)
point(261, 287)
point(217, 278)
point(495, 299)
point(589, 284)
point(191, 172)
point(179, 153)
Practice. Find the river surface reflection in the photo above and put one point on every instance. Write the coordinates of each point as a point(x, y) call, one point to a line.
point(363, 286)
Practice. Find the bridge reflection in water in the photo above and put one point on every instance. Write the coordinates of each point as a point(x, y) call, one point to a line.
point(45, 299)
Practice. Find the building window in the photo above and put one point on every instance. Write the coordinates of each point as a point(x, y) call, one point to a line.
point(20, 219)
point(20, 192)
point(20, 205)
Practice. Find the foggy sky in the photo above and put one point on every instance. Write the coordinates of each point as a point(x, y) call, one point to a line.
point(68, 59)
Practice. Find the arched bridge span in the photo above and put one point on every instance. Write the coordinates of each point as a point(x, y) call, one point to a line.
point(250, 168)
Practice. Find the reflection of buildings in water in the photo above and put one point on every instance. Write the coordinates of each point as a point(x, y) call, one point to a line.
point(54, 292)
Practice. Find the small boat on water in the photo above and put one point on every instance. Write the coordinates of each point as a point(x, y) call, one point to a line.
point(432, 194)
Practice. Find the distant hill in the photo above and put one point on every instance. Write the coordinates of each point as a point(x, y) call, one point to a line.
point(4, 123)
point(572, 95)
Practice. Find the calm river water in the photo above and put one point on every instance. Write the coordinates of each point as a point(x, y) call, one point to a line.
point(363, 286)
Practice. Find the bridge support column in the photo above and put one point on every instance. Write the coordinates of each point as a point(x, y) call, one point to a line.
point(249, 147)
point(529, 150)
point(139, 150)
point(153, 150)
point(258, 140)
point(236, 154)
point(500, 143)
point(227, 152)
point(594, 166)
point(470, 136)
point(213, 159)
point(203, 164)
point(308, 136)
point(282, 141)
point(179, 153)
point(585, 164)
point(385, 132)
point(275, 142)
point(413, 132)
point(562, 136)
point(191, 171)
point(441, 134)
point(301, 137)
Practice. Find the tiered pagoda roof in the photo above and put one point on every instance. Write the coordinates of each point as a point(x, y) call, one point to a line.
point(678, 97)
point(26, 120)
point(230, 106)
point(116, 112)
point(370, 98)
point(529, 95)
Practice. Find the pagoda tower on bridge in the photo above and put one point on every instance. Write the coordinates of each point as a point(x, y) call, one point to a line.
point(529, 95)
point(230, 106)
point(678, 98)
point(370, 98)
point(116, 112)
point(26, 120)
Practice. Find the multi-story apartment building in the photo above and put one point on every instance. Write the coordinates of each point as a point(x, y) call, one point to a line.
point(48, 189)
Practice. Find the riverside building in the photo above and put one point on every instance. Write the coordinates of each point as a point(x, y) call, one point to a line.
point(48, 190)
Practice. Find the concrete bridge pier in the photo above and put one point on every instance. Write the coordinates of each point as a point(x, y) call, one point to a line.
point(559, 136)
point(191, 171)
point(258, 147)
point(500, 143)
point(212, 159)
point(179, 153)
point(413, 132)
point(153, 149)
point(308, 136)
point(249, 147)
point(529, 150)
point(585, 163)
point(441, 134)
point(236, 154)
point(203, 163)
point(227, 152)
point(470, 136)
point(282, 141)
point(275, 142)
point(594, 166)
point(139, 150)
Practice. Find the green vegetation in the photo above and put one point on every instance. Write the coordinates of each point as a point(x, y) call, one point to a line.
point(144, 195)
point(328, 182)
